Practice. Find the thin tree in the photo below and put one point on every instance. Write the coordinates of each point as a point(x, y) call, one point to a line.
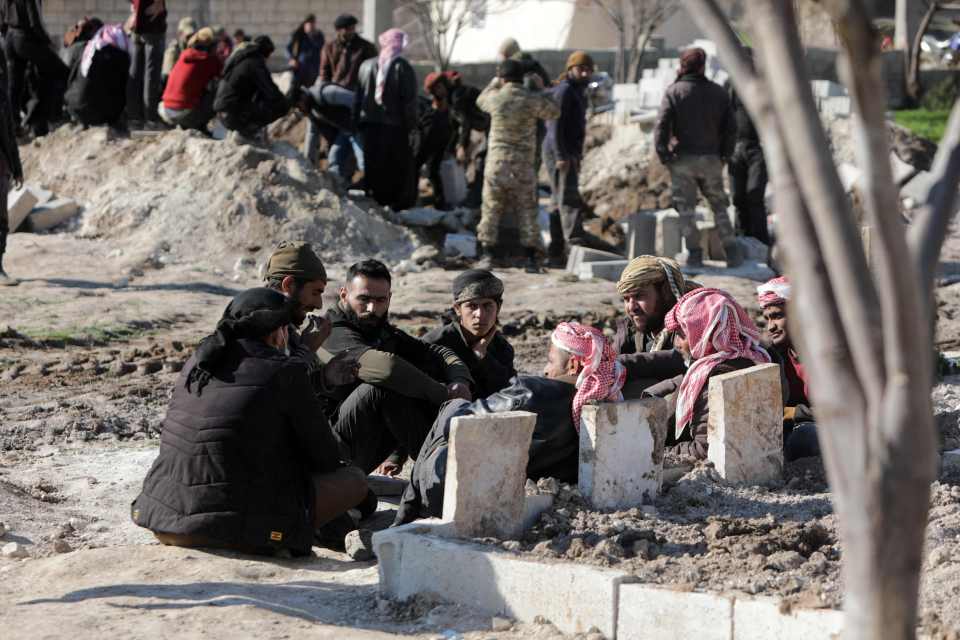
point(865, 334)
point(635, 22)
point(914, 54)
point(441, 22)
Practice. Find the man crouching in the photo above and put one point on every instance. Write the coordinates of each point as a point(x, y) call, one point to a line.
point(247, 461)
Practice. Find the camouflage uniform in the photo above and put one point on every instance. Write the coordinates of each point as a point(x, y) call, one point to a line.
point(509, 182)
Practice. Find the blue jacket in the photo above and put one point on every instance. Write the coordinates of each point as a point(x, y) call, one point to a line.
point(566, 135)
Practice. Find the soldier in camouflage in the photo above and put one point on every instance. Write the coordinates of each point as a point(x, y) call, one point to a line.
point(510, 177)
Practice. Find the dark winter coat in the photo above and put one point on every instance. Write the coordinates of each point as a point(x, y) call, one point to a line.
point(340, 63)
point(306, 49)
point(566, 134)
point(247, 80)
point(697, 114)
point(394, 360)
point(466, 115)
point(235, 461)
point(99, 97)
point(24, 15)
point(491, 374)
point(144, 23)
point(636, 353)
point(399, 108)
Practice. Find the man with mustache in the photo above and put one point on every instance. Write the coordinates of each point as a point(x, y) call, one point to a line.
point(385, 416)
point(650, 286)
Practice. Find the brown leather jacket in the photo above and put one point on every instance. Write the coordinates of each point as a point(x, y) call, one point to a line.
point(340, 62)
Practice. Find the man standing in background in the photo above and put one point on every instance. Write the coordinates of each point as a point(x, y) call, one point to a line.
point(148, 26)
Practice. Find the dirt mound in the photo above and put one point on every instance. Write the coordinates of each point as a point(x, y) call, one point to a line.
point(179, 197)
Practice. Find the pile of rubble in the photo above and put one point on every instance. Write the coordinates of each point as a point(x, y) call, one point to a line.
point(178, 197)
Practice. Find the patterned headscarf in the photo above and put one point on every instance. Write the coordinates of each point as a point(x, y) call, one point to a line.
point(602, 376)
point(774, 292)
point(644, 271)
point(111, 35)
point(717, 328)
point(392, 44)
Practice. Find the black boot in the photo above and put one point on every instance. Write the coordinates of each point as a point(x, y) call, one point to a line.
point(484, 259)
point(532, 265)
point(331, 535)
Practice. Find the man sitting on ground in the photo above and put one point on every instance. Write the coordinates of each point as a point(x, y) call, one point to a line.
point(581, 367)
point(247, 97)
point(800, 431)
point(246, 460)
point(192, 85)
point(474, 335)
point(650, 286)
point(402, 380)
point(715, 336)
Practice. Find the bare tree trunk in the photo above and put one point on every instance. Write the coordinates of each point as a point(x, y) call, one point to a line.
point(868, 351)
point(913, 58)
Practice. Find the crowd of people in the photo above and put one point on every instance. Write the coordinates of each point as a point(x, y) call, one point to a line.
point(281, 414)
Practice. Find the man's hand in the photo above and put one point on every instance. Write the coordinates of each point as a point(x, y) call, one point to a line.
point(389, 468)
point(461, 155)
point(294, 63)
point(480, 348)
point(342, 369)
point(536, 81)
point(789, 413)
point(459, 390)
point(316, 333)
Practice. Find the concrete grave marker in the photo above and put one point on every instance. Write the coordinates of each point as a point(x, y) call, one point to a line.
point(745, 429)
point(607, 270)
point(51, 214)
point(621, 452)
point(486, 473)
point(19, 204)
point(641, 234)
point(669, 241)
point(580, 255)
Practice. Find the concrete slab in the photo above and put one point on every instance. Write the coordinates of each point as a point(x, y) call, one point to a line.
point(51, 214)
point(484, 489)
point(745, 426)
point(579, 255)
point(602, 270)
point(641, 234)
point(762, 619)
point(621, 452)
point(647, 613)
point(20, 202)
point(669, 241)
point(573, 597)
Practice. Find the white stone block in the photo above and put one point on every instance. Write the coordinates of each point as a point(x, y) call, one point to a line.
point(647, 613)
point(20, 202)
point(621, 452)
point(573, 597)
point(533, 507)
point(51, 214)
point(607, 270)
point(827, 89)
point(486, 473)
point(641, 234)
point(762, 619)
point(849, 176)
point(669, 241)
point(460, 244)
point(745, 426)
point(579, 255)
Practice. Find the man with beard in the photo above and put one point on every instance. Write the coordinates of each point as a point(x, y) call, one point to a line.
point(474, 335)
point(649, 286)
point(799, 429)
point(297, 272)
point(384, 416)
point(581, 367)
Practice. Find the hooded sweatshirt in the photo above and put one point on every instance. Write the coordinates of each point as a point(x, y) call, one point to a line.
point(190, 77)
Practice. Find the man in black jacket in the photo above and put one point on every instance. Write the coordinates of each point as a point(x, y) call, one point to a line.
point(748, 174)
point(696, 113)
point(474, 335)
point(246, 460)
point(10, 167)
point(384, 417)
point(247, 98)
point(26, 42)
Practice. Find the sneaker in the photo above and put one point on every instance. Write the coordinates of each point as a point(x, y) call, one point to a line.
point(7, 281)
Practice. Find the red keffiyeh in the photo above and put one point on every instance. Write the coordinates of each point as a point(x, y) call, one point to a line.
point(774, 292)
point(717, 329)
point(392, 44)
point(602, 376)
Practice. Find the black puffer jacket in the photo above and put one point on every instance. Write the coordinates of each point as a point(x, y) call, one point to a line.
point(246, 80)
point(697, 114)
point(399, 108)
point(100, 96)
point(234, 462)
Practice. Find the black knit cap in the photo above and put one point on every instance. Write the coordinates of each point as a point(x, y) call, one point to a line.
point(252, 314)
point(477, 283)
point(344, 21)
point(265, 44)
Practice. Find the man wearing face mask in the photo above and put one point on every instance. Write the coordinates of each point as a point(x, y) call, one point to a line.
point(473, 334)
point(383, 417)
point(340, 63)
point(563, 153)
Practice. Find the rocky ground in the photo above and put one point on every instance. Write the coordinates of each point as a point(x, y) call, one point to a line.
point(111, 306)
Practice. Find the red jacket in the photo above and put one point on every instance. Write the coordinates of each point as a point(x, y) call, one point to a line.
point(190, 76)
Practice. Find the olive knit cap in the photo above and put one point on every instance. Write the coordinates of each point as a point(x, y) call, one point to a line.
point(296, 259)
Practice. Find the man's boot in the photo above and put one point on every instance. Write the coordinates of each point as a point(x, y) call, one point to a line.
point(484, 259)
point(694, 258)
point(331, 535)
point(5, 280)
point(734, 253)
point(532, 265)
